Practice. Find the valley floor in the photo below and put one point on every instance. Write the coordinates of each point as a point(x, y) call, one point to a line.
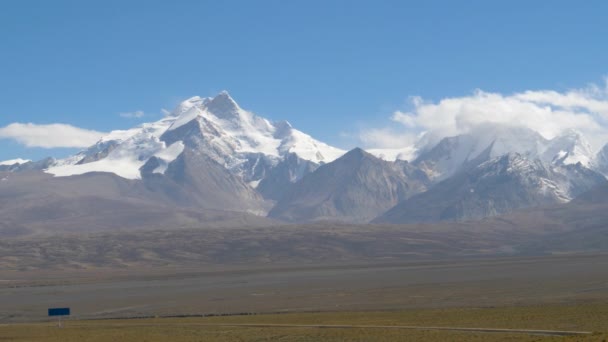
point(361, 326)
point(215, 303)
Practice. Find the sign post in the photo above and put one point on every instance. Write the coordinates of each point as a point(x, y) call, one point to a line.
point(59, 312)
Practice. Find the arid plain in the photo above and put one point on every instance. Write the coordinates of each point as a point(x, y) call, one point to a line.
point(443, 284)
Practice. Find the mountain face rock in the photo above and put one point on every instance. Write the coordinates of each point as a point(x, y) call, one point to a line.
point(601, 161)
point(417, 178)
point(280, 178)
point(495, 187)
point(448, 156)
point(26, 165)
point(197, 181)
point(356, 187)
point(577, 179)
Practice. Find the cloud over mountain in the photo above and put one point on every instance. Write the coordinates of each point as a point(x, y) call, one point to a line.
point(50, 136)
point(547, 112)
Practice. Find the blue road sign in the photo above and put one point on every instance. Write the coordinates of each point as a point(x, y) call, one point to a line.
point(59, 312)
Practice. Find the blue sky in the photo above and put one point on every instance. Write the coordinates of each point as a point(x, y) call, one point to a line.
point(331, 68)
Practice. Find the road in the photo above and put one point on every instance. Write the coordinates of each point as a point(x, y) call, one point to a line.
point(400, 327)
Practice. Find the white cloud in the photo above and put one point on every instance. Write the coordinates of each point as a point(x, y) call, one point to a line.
point(385, 138)
point(165, 112)
point(50, 136)
point(548, 112)
point(132, 115)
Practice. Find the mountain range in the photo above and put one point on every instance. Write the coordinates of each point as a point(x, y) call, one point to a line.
point(212, 162)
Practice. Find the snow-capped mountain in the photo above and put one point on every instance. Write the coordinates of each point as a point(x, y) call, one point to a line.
point(209, 154)
point(26, 165)
point(242, 142)
point(485, 142)
point(452, 154)
point(569, 148)
point(494, 187)
point(246, 144)
point(14, 162)
point(121, 152)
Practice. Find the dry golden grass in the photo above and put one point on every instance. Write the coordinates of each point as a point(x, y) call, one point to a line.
point(582, 317)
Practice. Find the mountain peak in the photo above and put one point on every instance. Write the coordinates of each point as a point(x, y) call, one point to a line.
point(223, 105)
point(570, 147)
point(224, 95)
point(356, 153)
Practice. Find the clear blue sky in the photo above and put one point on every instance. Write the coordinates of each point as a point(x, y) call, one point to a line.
point(326, 66)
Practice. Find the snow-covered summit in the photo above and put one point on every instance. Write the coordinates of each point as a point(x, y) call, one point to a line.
point(223, 106)
point(216, 127)
point(14, 162)
point(231, 129)
point(490, 141)
point(482, 143)
point(569, 148)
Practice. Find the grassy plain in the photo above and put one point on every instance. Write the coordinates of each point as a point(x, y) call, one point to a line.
point(579, 317)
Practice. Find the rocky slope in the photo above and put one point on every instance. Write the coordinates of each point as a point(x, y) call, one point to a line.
point(356, 187)
point(498, 186)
